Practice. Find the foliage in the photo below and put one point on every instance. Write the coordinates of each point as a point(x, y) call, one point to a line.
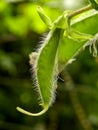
point(20, 31)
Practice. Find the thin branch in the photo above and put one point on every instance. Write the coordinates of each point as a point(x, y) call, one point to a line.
point(74, 13)
point(75, 101)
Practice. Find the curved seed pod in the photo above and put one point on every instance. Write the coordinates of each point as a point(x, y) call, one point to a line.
point(46, 66)
point(45, 71)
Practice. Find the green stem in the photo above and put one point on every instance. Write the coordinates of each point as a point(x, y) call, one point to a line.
point(74, 13)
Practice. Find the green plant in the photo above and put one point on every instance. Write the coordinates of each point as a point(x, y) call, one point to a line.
point(66, 37)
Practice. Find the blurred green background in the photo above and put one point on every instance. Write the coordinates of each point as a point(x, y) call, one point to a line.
point(21, 30)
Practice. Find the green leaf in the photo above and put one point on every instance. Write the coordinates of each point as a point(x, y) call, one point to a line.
point(45, 71)
point(78, 36)
point(84, 23)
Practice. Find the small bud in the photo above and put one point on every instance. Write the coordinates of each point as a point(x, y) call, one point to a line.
point(44, 17)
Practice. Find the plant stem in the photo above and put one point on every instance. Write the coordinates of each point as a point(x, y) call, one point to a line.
point(74, 13)
point(75, 101)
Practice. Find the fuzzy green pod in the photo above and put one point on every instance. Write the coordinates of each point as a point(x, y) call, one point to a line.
point(46, 65)
point(45, 71)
